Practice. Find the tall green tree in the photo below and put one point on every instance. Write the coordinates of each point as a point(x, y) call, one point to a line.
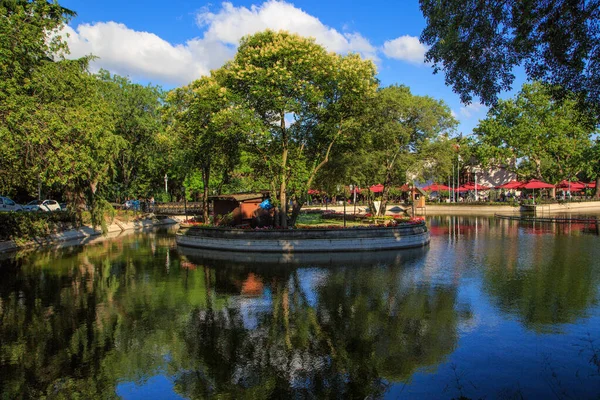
point(28, 41)
point(136, 112)
point(66, 136)
point(401, 126)
point(479, 44)
point(282, 77)
point(548, 137)
point(210, 125)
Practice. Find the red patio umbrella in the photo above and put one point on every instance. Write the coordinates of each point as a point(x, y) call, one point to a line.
point(376, 188)
point(404, 188)
point(461, 189)
point(591, 185)
point(435, 187)
point(473, 186)
point(313, 191)
point(537, 184)
point(511, 185)
point(564, 184)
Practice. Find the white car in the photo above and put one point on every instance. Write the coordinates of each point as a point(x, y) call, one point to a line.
point(7, 204)
point(42, 205)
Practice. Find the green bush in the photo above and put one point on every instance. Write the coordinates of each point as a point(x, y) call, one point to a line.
point(28, 225)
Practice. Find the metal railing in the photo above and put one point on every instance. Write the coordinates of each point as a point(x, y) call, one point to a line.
point(178, 208)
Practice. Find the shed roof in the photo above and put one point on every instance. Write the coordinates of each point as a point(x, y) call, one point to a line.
point(238, 197)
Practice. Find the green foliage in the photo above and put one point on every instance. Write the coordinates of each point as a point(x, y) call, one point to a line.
point(401, 133)
point(548, 138)
point(478, 44)
point(279, 75)
point(209, 124)
point(102, 213)
point(136, 112)
point(27, 38)
point(28, 41)
point(26, 226)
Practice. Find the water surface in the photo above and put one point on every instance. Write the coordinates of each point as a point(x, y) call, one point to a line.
point(491, 309)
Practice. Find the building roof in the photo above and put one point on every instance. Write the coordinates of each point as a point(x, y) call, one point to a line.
point(240, 197)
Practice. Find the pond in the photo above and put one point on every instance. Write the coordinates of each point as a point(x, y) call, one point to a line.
point(491, 309)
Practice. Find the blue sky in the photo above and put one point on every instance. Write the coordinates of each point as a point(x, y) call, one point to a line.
point(171, 43)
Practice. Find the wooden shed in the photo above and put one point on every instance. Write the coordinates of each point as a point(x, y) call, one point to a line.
point(242, 206)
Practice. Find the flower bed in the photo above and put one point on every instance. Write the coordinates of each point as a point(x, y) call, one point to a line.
point(391, 221)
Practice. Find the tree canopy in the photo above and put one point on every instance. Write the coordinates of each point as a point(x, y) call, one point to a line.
point(282, 76)
point(548, 138)
point(210, 125)
point(478, 45)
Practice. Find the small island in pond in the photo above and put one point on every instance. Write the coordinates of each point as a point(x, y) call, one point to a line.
point(247, 227)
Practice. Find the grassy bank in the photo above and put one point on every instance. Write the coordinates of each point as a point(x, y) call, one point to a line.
point(25, 226)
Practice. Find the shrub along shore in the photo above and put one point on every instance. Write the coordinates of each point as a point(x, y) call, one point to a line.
point(25, 230)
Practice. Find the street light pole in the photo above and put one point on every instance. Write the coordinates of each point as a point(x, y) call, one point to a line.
point(355, 187)
point(166, 187)
point(185, 204)
point(476, 186)
point(345, 208)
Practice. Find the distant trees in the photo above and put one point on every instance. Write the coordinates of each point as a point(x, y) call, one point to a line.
point(400, 127)
point(549, 138)
point(136, 112)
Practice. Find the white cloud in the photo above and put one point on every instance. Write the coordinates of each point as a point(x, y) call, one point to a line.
point(145, 55)
point(405, 48)
point(471, 109)
point(231, 23)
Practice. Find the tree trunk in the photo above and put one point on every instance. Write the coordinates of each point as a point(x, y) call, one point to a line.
point(282, 188)
point(597, 190)
point(386, 184)
point(205, 179)
point(298, 203)
point(370, 198)
point(538, 168)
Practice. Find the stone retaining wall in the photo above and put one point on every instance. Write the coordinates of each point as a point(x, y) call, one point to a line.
point(305, 240)
point(82, 235)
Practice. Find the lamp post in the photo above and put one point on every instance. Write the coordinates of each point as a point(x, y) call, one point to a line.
point(184, 204)
point(344, 208)
point(355, 188)
point(166, 187)
point(457, 178)
point(475, 172)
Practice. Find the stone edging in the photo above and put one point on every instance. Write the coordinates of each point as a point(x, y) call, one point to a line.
point(309, 240)
point(81, 235)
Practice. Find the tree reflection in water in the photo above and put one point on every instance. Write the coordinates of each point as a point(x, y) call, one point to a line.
point(549, 280)
point(83, 322)
point(361, 328)
point(78, 322)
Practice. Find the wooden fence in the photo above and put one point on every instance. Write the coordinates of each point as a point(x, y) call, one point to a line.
point(178, 208)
